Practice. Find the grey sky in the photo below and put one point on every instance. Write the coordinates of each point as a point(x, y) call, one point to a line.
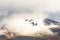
point(32, 5)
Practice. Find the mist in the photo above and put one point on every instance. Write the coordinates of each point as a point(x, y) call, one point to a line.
point(13, 14)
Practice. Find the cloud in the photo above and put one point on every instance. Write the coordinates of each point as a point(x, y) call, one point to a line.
point(35, 9)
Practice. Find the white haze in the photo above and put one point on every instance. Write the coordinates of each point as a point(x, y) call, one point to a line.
point(16, 23)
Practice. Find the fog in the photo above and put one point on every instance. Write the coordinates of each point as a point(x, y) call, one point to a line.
point(13, 14)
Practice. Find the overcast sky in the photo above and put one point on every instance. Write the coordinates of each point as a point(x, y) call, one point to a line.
point(52, 6)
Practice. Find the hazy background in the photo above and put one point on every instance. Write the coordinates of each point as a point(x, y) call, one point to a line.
point(49, 8)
